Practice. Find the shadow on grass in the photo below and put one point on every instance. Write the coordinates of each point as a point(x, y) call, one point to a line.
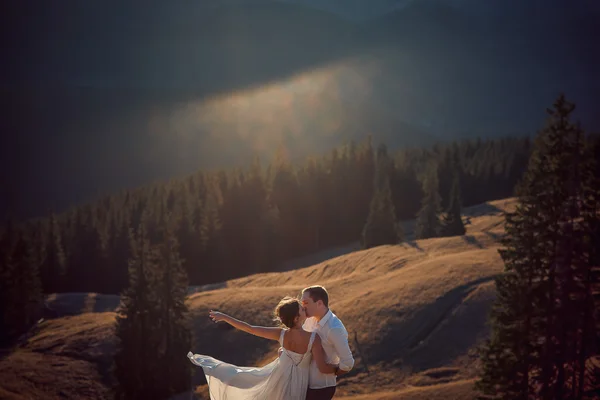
point(481, 209)
point(414, 245)
point(470, 239)
point(407, 345)
point(496, 236)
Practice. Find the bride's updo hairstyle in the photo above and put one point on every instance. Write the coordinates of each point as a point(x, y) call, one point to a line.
point(287, 310)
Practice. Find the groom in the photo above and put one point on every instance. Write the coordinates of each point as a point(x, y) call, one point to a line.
point(334, 339)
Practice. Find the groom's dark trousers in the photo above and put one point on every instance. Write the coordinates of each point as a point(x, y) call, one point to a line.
point(320, 394)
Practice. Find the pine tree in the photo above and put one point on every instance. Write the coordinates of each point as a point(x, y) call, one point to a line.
point(541, 335)
point(507, 356)
point(136, 363)
point(173, 322)
point(84, 271)
point(452, 224)
point(53, 267)
point(234, 226)
point(8, 290)
point(261, 232)
point(28, 284)
point(20, 287)
point(428, 223)
point(211, 242)
point(286, 197)
point(384, 168)
point(407, 191)
point(341, 187)
point(363, 195)
point(576, 261)
point(120, 255)
point(593, 369)
point(382, 226)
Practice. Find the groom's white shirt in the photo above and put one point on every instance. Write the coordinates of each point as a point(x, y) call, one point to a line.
point(334, 339)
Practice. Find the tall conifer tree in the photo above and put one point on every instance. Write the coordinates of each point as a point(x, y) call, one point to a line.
point(452, 224)
point(137, 363)
point(382, 226)
point(541, 335)
point(428, 223)
point(20, 287)
point(173, 319)
point(53, 268)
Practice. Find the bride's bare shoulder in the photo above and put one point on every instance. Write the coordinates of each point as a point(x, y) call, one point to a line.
point(307, 334)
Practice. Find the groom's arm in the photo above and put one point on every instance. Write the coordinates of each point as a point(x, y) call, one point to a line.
point(338, 336)
point(320, 358)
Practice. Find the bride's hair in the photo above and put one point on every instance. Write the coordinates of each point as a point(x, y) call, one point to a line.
point(287, 310)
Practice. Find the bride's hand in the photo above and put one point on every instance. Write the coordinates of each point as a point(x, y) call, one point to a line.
point(217, 316)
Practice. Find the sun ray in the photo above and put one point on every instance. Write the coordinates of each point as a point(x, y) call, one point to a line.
point(303, 109)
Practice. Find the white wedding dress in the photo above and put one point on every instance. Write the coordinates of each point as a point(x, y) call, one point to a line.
point(285, 378)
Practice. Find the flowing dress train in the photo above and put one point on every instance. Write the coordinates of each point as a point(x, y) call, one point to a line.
point(285, 378)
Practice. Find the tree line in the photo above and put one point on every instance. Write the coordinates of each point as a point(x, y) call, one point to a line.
point(232, 223)
point(242, 221)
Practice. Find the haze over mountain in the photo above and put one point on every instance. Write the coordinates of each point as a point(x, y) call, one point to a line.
point(103, 96)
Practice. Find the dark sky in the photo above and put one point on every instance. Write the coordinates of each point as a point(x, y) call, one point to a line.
point(39, 36)
point(84, 81)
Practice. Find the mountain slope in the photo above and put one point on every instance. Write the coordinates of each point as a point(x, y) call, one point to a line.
point(415, 313)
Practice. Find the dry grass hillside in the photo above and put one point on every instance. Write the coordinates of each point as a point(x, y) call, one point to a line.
point(415, 313)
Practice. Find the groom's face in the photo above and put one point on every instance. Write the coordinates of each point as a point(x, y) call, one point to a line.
point(309, 305)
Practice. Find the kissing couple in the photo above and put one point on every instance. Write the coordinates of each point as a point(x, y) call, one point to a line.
point(314, 351)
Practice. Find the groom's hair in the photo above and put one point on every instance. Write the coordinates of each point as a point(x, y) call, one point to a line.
point(317, 293)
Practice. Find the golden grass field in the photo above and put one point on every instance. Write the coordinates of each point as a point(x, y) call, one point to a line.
point(415, 313)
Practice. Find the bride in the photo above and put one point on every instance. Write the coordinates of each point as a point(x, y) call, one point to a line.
point(285, 378)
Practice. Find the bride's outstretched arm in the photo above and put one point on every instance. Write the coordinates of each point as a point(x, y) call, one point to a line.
point(319, 356)
point(266, 332)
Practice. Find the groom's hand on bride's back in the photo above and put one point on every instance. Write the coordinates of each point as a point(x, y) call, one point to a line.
point(339, 371)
